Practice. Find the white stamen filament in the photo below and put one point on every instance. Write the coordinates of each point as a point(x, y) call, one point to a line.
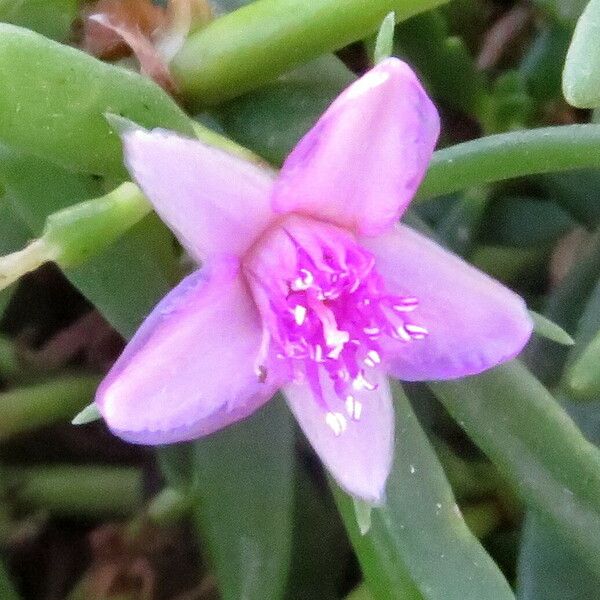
point(337, 422)
point(353, 408)
point(299, 314)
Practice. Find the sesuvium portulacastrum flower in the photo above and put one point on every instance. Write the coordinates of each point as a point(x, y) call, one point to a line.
point(308, 285)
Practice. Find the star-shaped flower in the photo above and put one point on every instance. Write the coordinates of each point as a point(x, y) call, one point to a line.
point(309, 284)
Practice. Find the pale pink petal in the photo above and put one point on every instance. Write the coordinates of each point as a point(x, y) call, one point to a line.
point(189, 370)
point(355, 440)
point(216, 203)
point(473, 321)
point(362, 162)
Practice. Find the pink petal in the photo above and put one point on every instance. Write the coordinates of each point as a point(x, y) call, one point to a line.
point(474, 322)
point(216, 203)
point(360, 457)
point(361, 164)
point(189, 369)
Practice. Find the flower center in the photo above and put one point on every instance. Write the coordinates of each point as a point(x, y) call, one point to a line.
point(325, 306)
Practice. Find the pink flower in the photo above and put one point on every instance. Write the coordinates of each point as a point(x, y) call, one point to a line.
point(308, 284)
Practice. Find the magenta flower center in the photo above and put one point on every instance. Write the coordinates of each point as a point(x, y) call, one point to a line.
point(325, 309)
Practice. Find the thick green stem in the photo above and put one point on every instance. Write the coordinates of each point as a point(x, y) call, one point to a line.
point(255, 44)
point(508, 155)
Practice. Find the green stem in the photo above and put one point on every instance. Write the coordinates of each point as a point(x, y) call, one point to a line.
point(90, 491)
point(508, 155)
point(27, 408)
point(251, 46)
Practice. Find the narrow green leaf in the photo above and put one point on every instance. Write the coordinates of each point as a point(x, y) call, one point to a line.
point(242, 483)
point(543, 62)
point(550, 330)
point(524, 222)
point(320, 546)
point(554, 468)
point(581, 75)
point(443, 60)
point(508, 155)
point(565, 307)
point(420, 529)
point(27, 408)
point(249, 47)
point(583, 378)
point(384, 44)
point(126, 279)
point(53, 99)
point(74, 491)
point(88, 415)
point(548, 569)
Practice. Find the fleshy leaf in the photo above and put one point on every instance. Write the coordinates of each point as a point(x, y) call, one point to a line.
point(581, 76)
point(419, 533)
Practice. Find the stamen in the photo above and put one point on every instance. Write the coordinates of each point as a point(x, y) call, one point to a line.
point(303, 281)
point(353, 408)
point(299, 314)
point(360, 382)
point(372, 358)
point(416, 331)
point(337, 421)
point(325, 309)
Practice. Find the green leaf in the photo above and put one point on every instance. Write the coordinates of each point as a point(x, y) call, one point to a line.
point(550, 567)
point(508, 155)
point(53, 99)
point(535, 445)
point(565, 307)
point(272, 119)
point(27, 408)
point(550, 330)
point(443, 61)
point(548, 570)
point(583, 377)
point(524, 222)
point(7, 590)
point(384, 43)
point(581, 75)
point(542, 64)
point(420, 530)
point(320, 546)
point(77, 491)
point(126, 279)
point(52, 18)
point(249, 47)
point(576, 192)
point(242, 485)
